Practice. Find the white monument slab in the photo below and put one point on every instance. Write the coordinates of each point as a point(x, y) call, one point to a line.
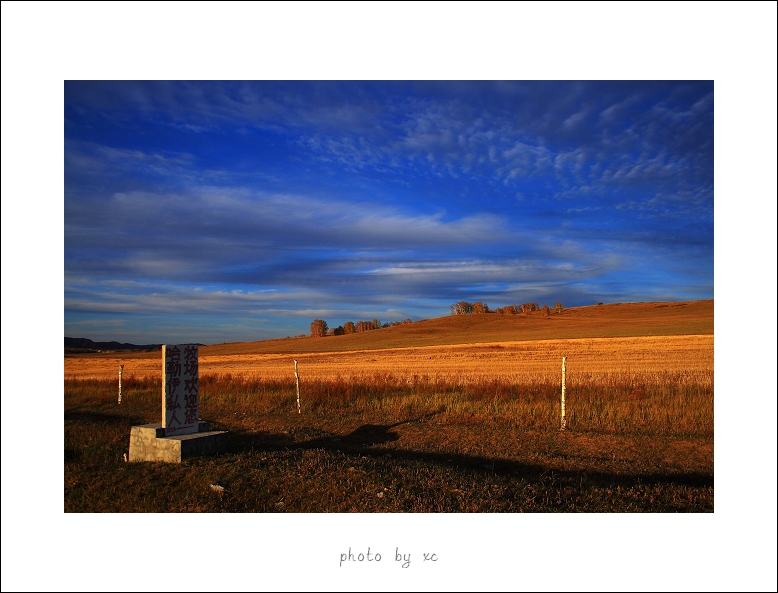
point(180, 389)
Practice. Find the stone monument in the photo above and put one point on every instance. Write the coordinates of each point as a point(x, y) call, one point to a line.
point(181, 433)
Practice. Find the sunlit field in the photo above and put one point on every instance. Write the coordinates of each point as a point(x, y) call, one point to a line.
point(401, 429)
point(659, 384)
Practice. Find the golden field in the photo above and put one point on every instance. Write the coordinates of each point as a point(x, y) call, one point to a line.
point(620, 338)
point(456, 414)
point(660, 384)
point(508, 361)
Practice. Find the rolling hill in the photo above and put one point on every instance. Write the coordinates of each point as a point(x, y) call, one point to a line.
point(86, 345)
point(598, 321)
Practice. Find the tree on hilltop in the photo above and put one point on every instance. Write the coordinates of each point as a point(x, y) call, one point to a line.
point(461, 308)
point(319, 328)
point(480, 307)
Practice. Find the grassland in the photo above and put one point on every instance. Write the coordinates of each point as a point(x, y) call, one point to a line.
point(434, 425)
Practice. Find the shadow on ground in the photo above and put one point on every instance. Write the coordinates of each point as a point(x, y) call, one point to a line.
point(360, 441)
point(76, 416)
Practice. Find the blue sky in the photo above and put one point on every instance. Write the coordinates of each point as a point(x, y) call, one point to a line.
point(229, 211)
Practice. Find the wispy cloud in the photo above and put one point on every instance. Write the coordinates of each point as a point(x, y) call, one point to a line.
point(223, 223)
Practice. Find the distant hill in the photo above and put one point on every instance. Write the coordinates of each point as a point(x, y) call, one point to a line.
point(596, 321)
point(78, 345)
point(617, 320)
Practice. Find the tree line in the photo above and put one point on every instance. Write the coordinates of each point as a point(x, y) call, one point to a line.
point(465, 308)
point(319, 327)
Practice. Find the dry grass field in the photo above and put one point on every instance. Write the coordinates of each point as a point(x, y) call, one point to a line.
point(452, 414)
point(507, 361)
point(648, 337)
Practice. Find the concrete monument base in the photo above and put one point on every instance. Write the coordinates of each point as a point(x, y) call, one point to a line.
point(149, 443)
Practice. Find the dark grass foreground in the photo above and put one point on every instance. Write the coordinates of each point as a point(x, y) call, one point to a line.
point(387, 446)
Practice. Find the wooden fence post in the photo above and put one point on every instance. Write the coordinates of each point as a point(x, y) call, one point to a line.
point(297, 381)
point(121, 368)
point(564, 420)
